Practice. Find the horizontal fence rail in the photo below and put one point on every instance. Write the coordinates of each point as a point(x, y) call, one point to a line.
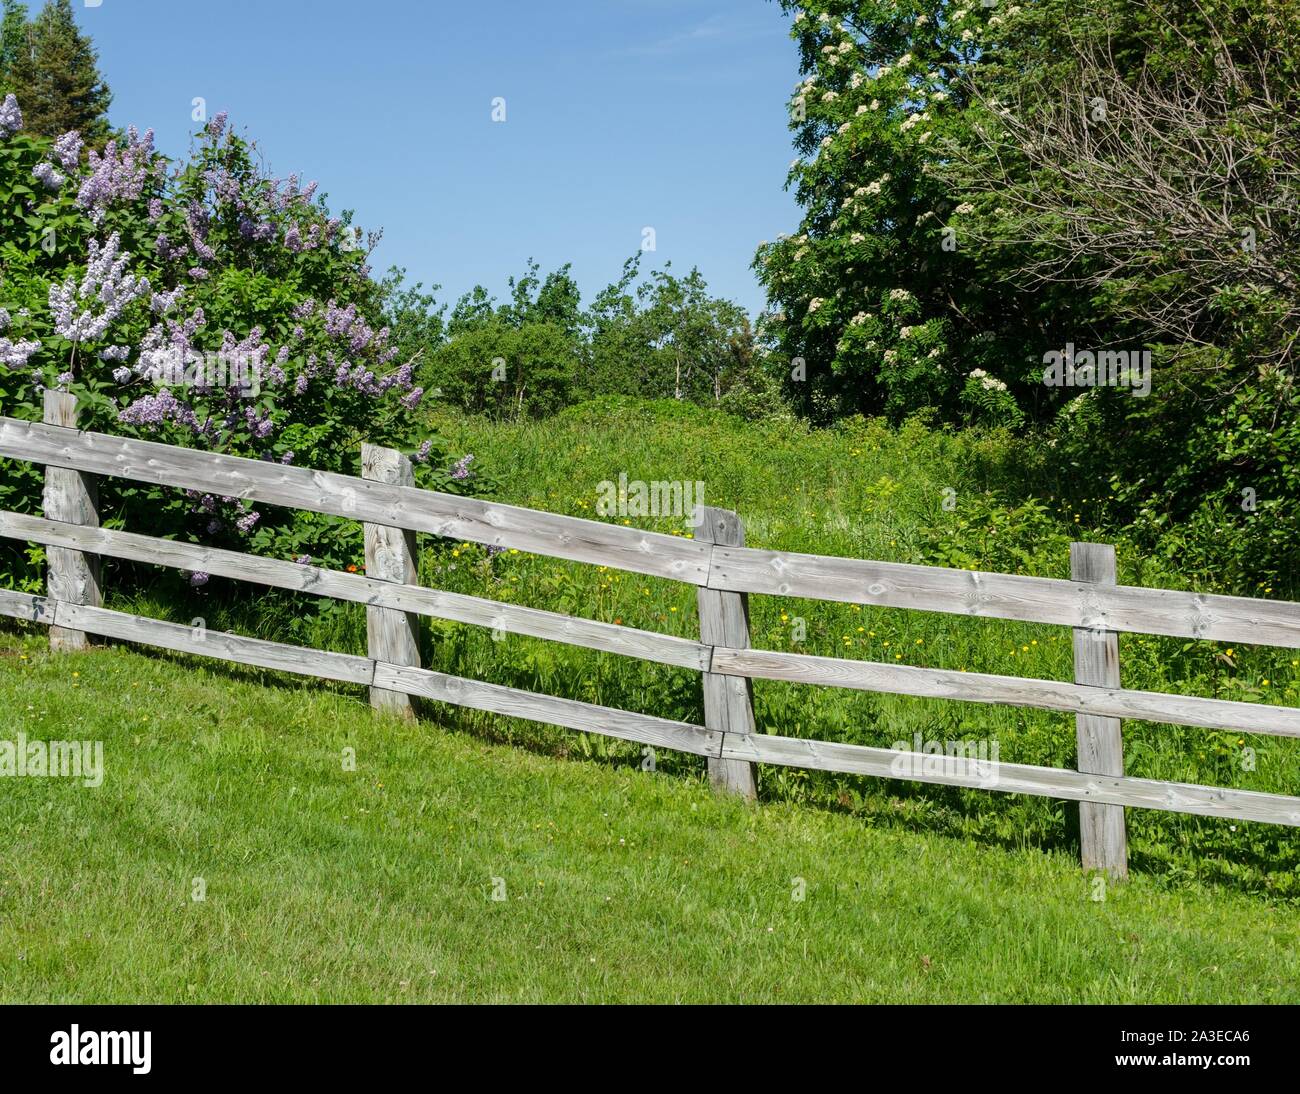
point(359, 589)
point(406, 507)
point(354, 669)
point(510, 702)
point(1043, 782)
point(1016, 691)
point(1007, 596)
point(723, 570)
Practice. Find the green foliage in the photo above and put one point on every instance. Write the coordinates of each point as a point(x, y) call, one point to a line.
point(704, 343)
point(417, 321)
point(553, 300)
point(1204, 478)
point(879, 293)
point(658, 336)
point(985, 184)
point(13, 35)
point(508, 371)
point(985, 532)
point(244, 321)
point(667, 338)
point(55, 74)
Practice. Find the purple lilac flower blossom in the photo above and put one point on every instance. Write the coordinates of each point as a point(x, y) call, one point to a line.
point(249, 355)
point(363, 380)
point(48, 175)
point(361, 336)
point(11, 118)
point(460, 470)
point(163, 302)
point(258, 425)
point(225, 187)
point(15, 354)
point(154, 410)
point(164, 353)
point(167, 250)
point(198, 579)
point(246, 522)
point(339, 320)
point(122, 375)
point(67, 149)
point(116, 176)
point(106, 282)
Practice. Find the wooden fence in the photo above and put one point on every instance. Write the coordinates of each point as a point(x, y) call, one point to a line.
point(724, 571)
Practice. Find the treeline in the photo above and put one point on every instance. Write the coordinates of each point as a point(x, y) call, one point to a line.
point(650, 334)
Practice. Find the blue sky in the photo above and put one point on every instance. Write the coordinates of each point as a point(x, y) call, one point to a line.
point(620, 114)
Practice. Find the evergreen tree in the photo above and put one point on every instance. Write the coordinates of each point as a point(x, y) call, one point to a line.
point(13, 34)
point(57, 79)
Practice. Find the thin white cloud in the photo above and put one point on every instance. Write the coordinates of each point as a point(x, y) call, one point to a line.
point(713, 29)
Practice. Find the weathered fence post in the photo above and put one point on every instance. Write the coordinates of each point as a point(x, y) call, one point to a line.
point(73, 498)
point(1101, 749)
point(392, 636)
point(724, 621)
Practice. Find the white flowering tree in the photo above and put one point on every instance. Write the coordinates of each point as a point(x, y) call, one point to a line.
point(984, 183)
point(876, 293)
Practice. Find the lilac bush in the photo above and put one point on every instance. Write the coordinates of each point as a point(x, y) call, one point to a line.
point(204, 304)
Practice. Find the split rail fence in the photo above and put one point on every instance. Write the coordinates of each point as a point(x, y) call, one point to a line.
point(724, 571)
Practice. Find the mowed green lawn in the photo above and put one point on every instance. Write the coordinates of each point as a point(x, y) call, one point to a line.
point(621, 885)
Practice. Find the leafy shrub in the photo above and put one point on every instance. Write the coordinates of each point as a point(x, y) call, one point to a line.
point(206, 305)
point(505, 371)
